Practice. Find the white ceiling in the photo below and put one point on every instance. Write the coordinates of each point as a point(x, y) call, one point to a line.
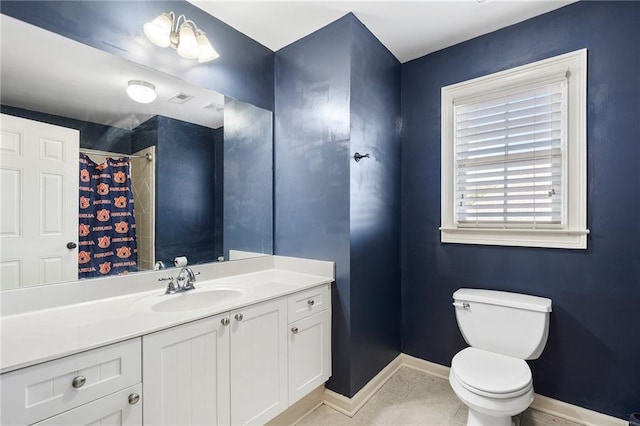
point(50, 73)
point(409, 29)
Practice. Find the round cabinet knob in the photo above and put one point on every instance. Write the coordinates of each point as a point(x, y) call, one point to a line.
point(239, 317)
point(78, 382)
point(310, 302)
point(224, 321)
point(294, 330)
point(71, 245)
point(134, 398)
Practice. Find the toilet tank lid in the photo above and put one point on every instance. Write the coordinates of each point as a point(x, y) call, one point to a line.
point(503, 298)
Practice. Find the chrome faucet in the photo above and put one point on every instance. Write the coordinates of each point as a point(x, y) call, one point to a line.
point(190, 279)
point(179, 285)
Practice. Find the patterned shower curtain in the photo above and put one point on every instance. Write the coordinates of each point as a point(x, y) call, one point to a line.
point(107, 227)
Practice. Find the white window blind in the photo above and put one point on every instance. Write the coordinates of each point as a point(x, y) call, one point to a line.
point(509, 159)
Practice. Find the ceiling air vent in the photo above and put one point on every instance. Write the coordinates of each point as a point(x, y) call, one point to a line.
point(216, 107)
point(180, 98)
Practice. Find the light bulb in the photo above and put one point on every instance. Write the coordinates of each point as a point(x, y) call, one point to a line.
point(141, 91)
point(207, 52)
point(159, 30)
point(187, 46)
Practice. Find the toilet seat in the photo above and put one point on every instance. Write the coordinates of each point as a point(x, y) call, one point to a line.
point(490, 374)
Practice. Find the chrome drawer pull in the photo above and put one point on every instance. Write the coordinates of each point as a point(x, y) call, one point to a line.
point(239, 317)
point(79, 382)
point(294, 330)
point(310, 302)
point(134, 398)
point(224, 321)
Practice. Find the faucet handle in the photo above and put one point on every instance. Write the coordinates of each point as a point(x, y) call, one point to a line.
point(171, 287)
point(190, 279)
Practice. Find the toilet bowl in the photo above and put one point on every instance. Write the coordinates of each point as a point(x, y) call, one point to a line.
point(491, 377)
point(495, 387)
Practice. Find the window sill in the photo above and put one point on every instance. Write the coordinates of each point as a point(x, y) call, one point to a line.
point(547, 238)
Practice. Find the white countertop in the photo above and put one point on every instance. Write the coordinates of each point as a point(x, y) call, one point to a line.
point(41, 335)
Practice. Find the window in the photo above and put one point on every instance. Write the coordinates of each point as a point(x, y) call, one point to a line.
point(514, 156)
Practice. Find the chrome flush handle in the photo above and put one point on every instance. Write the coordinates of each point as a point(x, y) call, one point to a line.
point(463, 305)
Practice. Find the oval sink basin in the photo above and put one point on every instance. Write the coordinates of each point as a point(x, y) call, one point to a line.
point(195, 299)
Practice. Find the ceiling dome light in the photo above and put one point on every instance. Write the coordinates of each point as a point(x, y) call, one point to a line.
point(188, 46)
point(141, 91)
point(159, 30)
point(207, 52)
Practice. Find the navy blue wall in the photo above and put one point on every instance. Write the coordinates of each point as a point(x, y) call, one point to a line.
point(186, 204)
point(375, 206)
point(337, 92)
point(218, 146)
point(92, 135)
point(248, 177)
point(243, 71)
point(311, 145)
point(591, 358)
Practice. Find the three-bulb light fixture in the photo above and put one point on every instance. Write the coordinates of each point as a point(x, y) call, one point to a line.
point(182, 34)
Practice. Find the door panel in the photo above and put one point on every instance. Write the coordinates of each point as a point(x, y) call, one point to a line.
point(309, 354)
point(39, 209)
point(186, 374)
point(259, 362)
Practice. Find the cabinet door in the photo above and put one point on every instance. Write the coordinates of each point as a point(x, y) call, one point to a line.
point(44, 390)
point(309, 354)
point(259, 362)
point(118, 409)
point(185, 374)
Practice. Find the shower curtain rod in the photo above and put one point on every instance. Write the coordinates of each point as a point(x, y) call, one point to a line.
point(148, 156)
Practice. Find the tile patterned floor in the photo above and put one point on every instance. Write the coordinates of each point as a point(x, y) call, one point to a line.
point(412, 397)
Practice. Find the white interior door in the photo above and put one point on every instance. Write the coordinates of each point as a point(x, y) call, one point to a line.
point(39, 202)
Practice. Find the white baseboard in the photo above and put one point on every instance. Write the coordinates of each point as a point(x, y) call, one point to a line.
point(350, 406)
point(300, 409)
point(554, 407)
point(428, 367)
point(574, 413)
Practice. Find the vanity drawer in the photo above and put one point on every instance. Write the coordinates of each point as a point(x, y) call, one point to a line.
point(36, 393)
point(308, 302)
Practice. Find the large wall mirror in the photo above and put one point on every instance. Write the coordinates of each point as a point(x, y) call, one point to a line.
point(194, 180)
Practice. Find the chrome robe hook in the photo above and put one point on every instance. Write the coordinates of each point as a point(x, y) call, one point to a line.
point(357, 156)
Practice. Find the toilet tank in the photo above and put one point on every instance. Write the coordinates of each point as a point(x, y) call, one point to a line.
point(502, 322)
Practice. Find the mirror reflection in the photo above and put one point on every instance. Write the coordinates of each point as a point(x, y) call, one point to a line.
point(102, 184)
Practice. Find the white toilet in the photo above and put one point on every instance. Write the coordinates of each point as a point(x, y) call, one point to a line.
point(503, 329)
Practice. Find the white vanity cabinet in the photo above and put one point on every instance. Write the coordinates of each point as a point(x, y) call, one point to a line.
point(309, 341)
point(186, 374)
point(244, 366)
point(71, 384)
point(226, 369)
point(119, 409)
point(259, 362)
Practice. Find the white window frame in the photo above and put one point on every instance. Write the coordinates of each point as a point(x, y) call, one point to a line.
point(573, 233)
